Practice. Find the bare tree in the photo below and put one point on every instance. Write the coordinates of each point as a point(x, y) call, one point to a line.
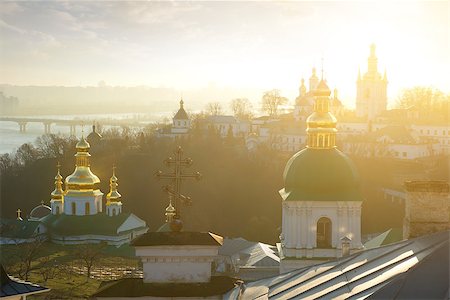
point(47, 269)
point(242, 108)
point(27, 154)
point(271, 100)
point(429, 101)
point(27, 253)
point(89, 255)
point(214, 108)
point(53, 145)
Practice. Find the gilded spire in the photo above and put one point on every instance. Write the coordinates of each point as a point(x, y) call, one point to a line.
point(321, 123)
point(113, 194)
point(58, 191)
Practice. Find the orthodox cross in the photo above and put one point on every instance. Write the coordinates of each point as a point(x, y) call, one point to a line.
point(177, 176)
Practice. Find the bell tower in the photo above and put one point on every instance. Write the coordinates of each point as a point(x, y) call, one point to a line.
point(371, 89)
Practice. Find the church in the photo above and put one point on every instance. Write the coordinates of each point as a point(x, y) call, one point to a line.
point(321, 200)
point(76, 214)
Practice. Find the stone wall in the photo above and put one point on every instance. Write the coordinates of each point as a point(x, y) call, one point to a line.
point(427, 208)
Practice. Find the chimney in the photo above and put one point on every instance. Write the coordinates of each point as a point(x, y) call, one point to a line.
point(427, 208)
point(346, 241)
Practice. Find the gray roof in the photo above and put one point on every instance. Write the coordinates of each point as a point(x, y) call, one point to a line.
point(12, 228)
point(252, 254)
point(181, 115)
point(380, 273)
point(14, 287)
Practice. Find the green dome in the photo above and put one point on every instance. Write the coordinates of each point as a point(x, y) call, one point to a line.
point(320, 175)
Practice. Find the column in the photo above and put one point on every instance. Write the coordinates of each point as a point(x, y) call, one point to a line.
point(309, 243)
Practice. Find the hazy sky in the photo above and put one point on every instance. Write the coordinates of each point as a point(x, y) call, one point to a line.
point(188, 45)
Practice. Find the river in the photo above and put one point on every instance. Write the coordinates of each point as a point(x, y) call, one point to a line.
point(11, 138)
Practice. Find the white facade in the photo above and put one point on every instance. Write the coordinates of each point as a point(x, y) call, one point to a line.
point(113, 208)
point(172, 264)
point(83, 203)
point(180, 126)
point(303, 231)
point(57, 206)
point(300, 219)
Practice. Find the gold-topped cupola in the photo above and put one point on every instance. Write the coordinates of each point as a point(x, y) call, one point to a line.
point(321, 123)
point(82, 178)
point(113, 198)
point(113, 194)
point(58, 192)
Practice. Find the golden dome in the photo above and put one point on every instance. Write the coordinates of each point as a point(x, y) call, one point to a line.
point(82, 178)
point(82, 145)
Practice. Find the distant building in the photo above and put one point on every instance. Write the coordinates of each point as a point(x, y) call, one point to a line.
point(371, 91)
point(392, 141)
point(180, 127)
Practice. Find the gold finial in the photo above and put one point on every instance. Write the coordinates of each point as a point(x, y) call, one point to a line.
point(18, 211)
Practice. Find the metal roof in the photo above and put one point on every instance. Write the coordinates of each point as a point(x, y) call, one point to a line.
point(363, 274)
point(12, 286)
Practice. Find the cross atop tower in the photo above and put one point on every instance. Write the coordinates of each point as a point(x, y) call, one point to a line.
point(176, 177)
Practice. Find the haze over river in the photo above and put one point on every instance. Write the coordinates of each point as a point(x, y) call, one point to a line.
point(11, 138)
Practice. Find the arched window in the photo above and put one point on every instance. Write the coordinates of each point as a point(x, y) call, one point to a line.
point(57, 210)
point(87, 208)
point(114, 212)
point(74, 208)
point(323, 233)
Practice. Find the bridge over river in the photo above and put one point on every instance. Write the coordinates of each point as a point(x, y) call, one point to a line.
point(73, 123)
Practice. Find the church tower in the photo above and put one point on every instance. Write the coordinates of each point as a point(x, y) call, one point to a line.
point(371, 90)
point(321, 200)
point(313, 80)
point(82, 196)
point(113, 203)
point(57, 201)
point(181, 121)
